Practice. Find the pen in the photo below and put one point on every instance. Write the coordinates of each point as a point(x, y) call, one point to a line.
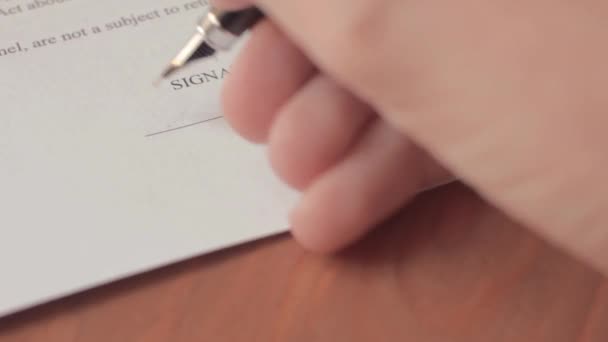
point(217, 30)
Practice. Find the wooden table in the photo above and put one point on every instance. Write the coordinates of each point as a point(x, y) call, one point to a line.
point(449, 268)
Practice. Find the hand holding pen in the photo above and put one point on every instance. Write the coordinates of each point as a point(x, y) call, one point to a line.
point(366, 103)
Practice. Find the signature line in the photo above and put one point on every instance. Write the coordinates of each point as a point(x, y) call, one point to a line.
point(182, 127)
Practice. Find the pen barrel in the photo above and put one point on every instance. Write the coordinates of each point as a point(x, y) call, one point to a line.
point(237, 22)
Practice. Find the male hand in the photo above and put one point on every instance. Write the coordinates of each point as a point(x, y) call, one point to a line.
point(365, 103)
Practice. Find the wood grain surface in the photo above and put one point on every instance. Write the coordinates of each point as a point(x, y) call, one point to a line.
point(448, 268)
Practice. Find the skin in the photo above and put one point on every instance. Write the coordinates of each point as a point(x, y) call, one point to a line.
point(374, 101)
point(507, 97)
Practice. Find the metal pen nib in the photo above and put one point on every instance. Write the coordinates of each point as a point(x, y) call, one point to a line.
point(218, 30)
point(190, 50)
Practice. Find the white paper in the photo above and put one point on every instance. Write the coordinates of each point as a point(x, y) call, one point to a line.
point(90, 190)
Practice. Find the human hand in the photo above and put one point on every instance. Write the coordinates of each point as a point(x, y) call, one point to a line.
point(508, 97)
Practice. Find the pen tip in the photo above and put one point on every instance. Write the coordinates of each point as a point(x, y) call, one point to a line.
point(157, 82)
point(196, 48)
point(165, 74)
point(169, 71)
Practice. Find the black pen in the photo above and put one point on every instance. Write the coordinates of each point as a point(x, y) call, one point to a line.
point(218, 30)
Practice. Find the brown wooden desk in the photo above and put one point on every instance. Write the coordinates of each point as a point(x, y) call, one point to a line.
point(448, 269)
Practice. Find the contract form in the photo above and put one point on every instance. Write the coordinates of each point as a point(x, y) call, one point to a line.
point(104, 175)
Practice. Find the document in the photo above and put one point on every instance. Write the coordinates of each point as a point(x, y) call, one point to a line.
point(104, 175)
